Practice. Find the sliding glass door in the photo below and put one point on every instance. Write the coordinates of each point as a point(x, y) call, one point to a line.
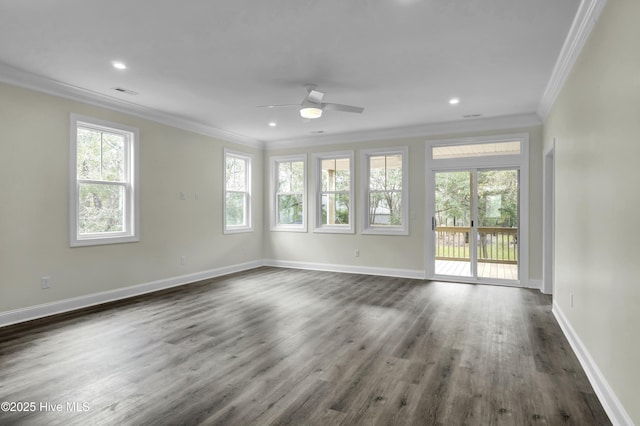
point(475, 224)
point(451, 222)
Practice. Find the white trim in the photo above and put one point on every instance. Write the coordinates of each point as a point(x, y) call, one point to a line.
point(610, 402)
point(348, 269)
point(131, 232)
point(27, 80)
point(248, 158)
point(365, 227)
point(548, 218)
point(66, 305)
point(478, 125)
point(316, 205)
point(588, 13)
point(273, 184)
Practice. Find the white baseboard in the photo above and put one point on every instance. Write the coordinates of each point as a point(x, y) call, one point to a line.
point(610, 402)
point(350, 269)
point(66, 305)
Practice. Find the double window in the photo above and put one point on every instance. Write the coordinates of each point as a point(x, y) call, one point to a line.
point(103, 182)
point(288, 183)
point(237, 192)
point(385, 175)
point(334, 192)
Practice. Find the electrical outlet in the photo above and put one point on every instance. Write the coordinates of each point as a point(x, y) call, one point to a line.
point(183, 260)
point(45, 282)
point(183, 196)
point(356, 253)
point(571, 299)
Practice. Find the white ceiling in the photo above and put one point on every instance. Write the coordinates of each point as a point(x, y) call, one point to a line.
point(211, 63)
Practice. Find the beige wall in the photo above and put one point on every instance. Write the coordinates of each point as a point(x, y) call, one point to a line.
point(34, 168)
point(596, 124)
point(34, 171)
point(405, 253)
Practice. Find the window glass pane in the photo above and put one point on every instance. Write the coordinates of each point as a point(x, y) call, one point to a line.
point(335, 209)
point(377, 173)
point(297, 176)
point(290, 209)
point(385, 208)
point(329, 175)
point(113, 147)
point(394, 172)
point(385, 172)
point(343, 174)
point(476, 150)
point(335, 174)
point(236, 174)
point(101, 208)
point(236, 208)
point(284, 177)
point(88, 154)
point(291, 176)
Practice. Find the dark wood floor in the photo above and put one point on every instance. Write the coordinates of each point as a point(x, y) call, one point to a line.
point(278, 346)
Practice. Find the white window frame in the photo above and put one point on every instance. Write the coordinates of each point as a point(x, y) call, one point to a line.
point(366, 227)
point(317, 205)
point(131, 223)
point(248, 225)
point(275, 226)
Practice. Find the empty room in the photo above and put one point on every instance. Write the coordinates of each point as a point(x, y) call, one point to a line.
point(367, 212)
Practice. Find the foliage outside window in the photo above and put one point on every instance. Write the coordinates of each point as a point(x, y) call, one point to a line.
point(103, 182)
point(288, 193)
point(334, 195)
point(497, 198)
point(237, 192)
point(385, 198)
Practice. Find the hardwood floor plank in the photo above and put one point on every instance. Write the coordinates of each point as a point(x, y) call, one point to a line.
point(279, 346)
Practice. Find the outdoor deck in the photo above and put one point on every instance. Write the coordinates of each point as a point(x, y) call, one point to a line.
point(485, 270)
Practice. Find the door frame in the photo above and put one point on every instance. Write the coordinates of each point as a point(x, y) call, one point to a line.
point(548, 219)
point(519, 161)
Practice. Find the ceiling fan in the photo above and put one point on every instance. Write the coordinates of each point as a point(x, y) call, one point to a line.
point(312, 105)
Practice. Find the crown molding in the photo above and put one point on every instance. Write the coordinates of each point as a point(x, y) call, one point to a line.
point(425, 130)
point(588, 13)
point(27, 80)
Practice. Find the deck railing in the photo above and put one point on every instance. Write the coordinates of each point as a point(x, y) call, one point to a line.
point(495, 244)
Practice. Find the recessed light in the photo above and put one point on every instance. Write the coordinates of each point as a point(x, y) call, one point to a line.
point(273, 124)
point(454, 101)
point(119, 65)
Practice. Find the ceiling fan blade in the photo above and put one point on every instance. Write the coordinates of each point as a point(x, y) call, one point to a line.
point(315, 96)
point(344, 108)
point(278, 106)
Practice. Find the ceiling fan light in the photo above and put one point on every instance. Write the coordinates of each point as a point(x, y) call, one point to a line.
point(310, 112)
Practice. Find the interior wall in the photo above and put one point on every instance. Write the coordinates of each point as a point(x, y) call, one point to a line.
point(34, 165)
point(34, 170)
point(401, 255)
point(595, 123)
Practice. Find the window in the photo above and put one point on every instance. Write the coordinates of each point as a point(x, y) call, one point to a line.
point(103, 182)
point(237, 192)
point(385, 184)
point(288, 181)
point(334, 192)
point(481, 149)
